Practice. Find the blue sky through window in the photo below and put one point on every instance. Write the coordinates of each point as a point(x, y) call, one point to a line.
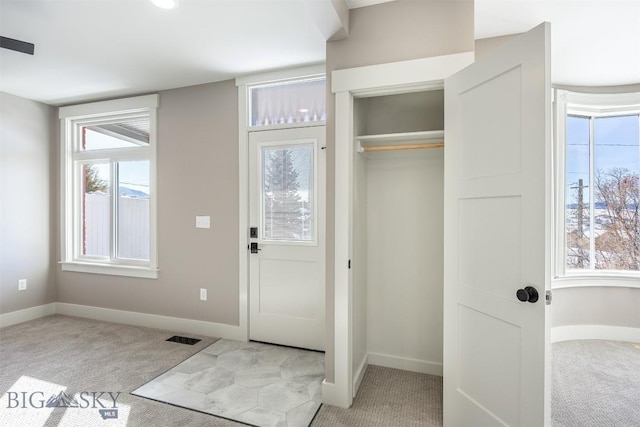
point(133, 175)
point(577, 156)
point(601, 231)
point(616, 145)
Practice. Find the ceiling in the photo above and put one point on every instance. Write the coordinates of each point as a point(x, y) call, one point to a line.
point(92, 49)
point(593, 42)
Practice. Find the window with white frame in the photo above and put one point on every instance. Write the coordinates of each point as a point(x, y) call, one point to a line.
point(108, 183)
point(598, 183)
point(288, 102)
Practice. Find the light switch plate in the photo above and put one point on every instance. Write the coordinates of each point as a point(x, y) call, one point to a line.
point(203, 221)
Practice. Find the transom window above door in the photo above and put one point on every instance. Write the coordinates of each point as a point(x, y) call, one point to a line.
point(297, 101)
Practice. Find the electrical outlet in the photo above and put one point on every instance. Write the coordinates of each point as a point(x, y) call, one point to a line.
point(203, 294)
point(22, 284)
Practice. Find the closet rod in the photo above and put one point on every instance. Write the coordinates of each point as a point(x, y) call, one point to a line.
point(404, 147)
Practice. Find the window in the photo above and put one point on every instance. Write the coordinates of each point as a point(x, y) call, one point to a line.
point(287, 193)
point(599, 222)
point(297, 101)
point(108, 181)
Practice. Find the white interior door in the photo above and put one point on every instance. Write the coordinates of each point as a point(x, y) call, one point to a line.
point(286, 266)
point(497, 219)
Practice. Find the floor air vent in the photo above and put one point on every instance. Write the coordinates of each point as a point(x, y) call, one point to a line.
point(184, 340)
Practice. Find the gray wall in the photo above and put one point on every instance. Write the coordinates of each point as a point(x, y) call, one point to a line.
point(596, 306)
point(403, 30)
point(197, 175)
point(388, 32)
point(407, 112)
point(27, 220)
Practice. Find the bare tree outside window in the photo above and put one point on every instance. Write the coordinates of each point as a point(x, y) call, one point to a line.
point(287, 191)
point(92, 180)
point(617, 199)
point(603, 233)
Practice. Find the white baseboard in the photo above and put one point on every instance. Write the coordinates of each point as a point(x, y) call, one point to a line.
point(595, 332)
point(199, 327)
point(360, 374)
point(405, 363)
point(334, 396)
point(27, 314)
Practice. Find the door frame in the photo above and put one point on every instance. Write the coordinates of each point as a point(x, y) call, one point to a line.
point(383, 79)
point(243, 84)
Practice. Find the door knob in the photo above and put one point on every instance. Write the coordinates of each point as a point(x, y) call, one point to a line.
point(528, 294)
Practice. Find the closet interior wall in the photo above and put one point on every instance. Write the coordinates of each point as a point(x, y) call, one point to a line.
point(397, 262)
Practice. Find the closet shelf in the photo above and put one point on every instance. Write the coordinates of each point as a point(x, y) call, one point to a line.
point(401, 141)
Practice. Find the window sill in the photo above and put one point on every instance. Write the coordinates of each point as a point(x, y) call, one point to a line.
point(110, 269)
point(581, 281)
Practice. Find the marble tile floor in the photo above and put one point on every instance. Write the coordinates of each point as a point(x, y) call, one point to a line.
point(254, 383)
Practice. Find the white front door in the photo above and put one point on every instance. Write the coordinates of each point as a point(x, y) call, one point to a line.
point(497, 219)
point(287, 209)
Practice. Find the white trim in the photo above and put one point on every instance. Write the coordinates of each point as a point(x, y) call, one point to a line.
point(243, 209)
point(364, 364)
point(133, 153)
point(155, 321)
point(243, 84)
point(102, 107)
point(218, 330)
point(309, 71)
point(343, 293)
point(110, 269)
point(591, 105)
point(560, 110)
point(331, 395)
point(31, 313)
point(66, 192)
point(406, 363)
point(280, 126)
point(392, 78)
point(609, 280)
point(153, 188)
point(72, 118)
point(403, 73)
point(601, 103)
point(595, 332)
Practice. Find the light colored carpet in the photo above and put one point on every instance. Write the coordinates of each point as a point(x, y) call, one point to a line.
point(596, 384)
point(86, 355)
point(389, 397)
point(255, 383)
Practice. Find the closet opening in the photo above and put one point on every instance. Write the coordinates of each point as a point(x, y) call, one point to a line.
point(398, 215)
